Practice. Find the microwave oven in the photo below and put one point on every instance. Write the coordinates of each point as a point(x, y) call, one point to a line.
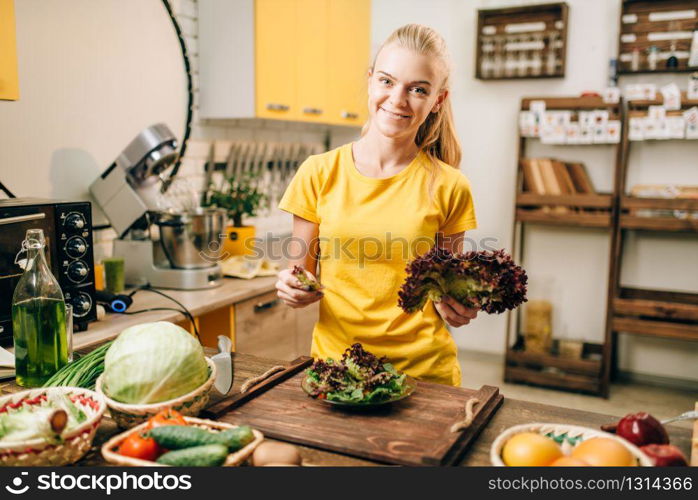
point(67, 229)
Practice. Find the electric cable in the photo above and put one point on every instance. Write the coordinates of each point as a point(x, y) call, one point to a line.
point(183, 310)
point(190, 96)
point(7, 191)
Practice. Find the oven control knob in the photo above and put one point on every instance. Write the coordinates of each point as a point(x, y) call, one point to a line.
point(81, 304)
point(76, 247)
point(77, 271)
point(75, 221)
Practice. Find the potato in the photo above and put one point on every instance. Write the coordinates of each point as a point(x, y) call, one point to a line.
point(275, 454)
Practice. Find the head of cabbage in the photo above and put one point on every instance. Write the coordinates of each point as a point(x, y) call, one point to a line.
point(153, 362)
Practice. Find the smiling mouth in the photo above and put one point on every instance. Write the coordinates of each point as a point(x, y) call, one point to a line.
point(395, 115)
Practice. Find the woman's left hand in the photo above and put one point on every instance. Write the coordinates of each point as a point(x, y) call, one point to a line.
point(453, 313)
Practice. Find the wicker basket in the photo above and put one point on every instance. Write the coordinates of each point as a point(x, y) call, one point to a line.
point(40, 452)
point(568, 436)
point(233, 459)
point(128, 415)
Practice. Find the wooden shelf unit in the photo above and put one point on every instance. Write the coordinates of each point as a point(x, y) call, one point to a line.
point(656, 313)
point(556, 371)
point(528, 209)
point(636, 35)
point(643, 104)
point(570, 219)
point(495, 22)
point(600, 211)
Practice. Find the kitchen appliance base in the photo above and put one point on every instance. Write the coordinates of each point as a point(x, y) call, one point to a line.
point(141, 268)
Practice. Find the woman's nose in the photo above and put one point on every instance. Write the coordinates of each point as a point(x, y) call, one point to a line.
point(398, 96)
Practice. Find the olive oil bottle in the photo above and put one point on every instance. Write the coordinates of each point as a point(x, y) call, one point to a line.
point(38, 318)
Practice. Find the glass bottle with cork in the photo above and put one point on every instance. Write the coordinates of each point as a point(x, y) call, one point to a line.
point(38, 317)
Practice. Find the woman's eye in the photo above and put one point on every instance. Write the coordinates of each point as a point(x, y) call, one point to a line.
point(384, 81)
point(419, 90)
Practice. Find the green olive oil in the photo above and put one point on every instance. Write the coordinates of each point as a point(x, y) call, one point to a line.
point(41, 348)
point(38, 317)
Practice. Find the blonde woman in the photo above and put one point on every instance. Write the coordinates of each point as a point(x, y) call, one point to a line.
point(363, 210)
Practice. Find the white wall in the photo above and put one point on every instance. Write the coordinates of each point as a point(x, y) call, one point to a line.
point(573, 262)
point(92, 74)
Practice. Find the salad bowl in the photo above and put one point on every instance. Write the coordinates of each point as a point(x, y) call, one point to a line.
point(42, 448)
point(410, 385)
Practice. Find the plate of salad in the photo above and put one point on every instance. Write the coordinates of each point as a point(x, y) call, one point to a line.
point(359, 379)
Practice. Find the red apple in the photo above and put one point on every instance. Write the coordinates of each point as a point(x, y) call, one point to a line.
point(641, 429)
point(665, 455)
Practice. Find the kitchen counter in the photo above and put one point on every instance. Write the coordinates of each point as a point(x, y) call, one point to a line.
point(512, 412)
point(198, 302)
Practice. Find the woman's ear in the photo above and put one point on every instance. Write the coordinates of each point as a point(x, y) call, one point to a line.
point(439, 101)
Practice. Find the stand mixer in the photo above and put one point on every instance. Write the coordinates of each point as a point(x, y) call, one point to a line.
point(185, 252)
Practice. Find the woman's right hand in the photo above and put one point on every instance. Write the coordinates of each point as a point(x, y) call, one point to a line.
point(290, 290)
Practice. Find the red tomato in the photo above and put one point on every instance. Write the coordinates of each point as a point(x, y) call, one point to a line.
point(167, 417)
point(138, 446)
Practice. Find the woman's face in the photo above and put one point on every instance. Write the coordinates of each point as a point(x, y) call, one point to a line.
point(403, 88)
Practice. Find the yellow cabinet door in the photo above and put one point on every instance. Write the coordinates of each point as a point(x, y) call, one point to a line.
point(275, 59)
point(349, 60)
point(311, 91)
point(9, 86)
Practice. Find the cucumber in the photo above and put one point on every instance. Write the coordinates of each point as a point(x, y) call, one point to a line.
point(199, 456)
point(178, 437)
point(237, 438)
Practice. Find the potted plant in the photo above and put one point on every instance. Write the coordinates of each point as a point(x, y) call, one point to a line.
point(239, 196)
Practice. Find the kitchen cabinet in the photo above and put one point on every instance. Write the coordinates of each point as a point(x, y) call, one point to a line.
point(266, 327)
point(312, 59)
point(9, 85)
point(303, 60)
point(276, 29)
point(349, 49)
point(262, 325)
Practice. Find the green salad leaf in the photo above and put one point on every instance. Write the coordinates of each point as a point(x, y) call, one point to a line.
point(359, 377)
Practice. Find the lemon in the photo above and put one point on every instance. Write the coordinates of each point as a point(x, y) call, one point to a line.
point(529, 449)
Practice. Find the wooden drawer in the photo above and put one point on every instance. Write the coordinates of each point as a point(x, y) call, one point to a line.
point(266, 327)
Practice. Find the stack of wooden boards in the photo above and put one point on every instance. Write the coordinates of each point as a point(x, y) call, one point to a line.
point(551, 177)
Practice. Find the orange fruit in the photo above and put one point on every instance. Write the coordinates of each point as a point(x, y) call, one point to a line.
point(603, 452)
point(529, 449)
point(569, 462)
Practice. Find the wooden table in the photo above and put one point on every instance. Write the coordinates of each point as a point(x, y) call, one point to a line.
point(512, 412)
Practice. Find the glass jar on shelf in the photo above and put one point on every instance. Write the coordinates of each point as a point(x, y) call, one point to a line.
point(537, 55)
point(498, 59)
point(524, 60)
point(652, 57)
point(486, 61)
point(672, 61)
point(551, 56)
point(510, 60)
point(635, 59)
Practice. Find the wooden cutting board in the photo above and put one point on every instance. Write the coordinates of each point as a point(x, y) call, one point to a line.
point(414, 431)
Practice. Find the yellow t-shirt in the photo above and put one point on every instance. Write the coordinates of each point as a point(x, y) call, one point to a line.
point(369, 229)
